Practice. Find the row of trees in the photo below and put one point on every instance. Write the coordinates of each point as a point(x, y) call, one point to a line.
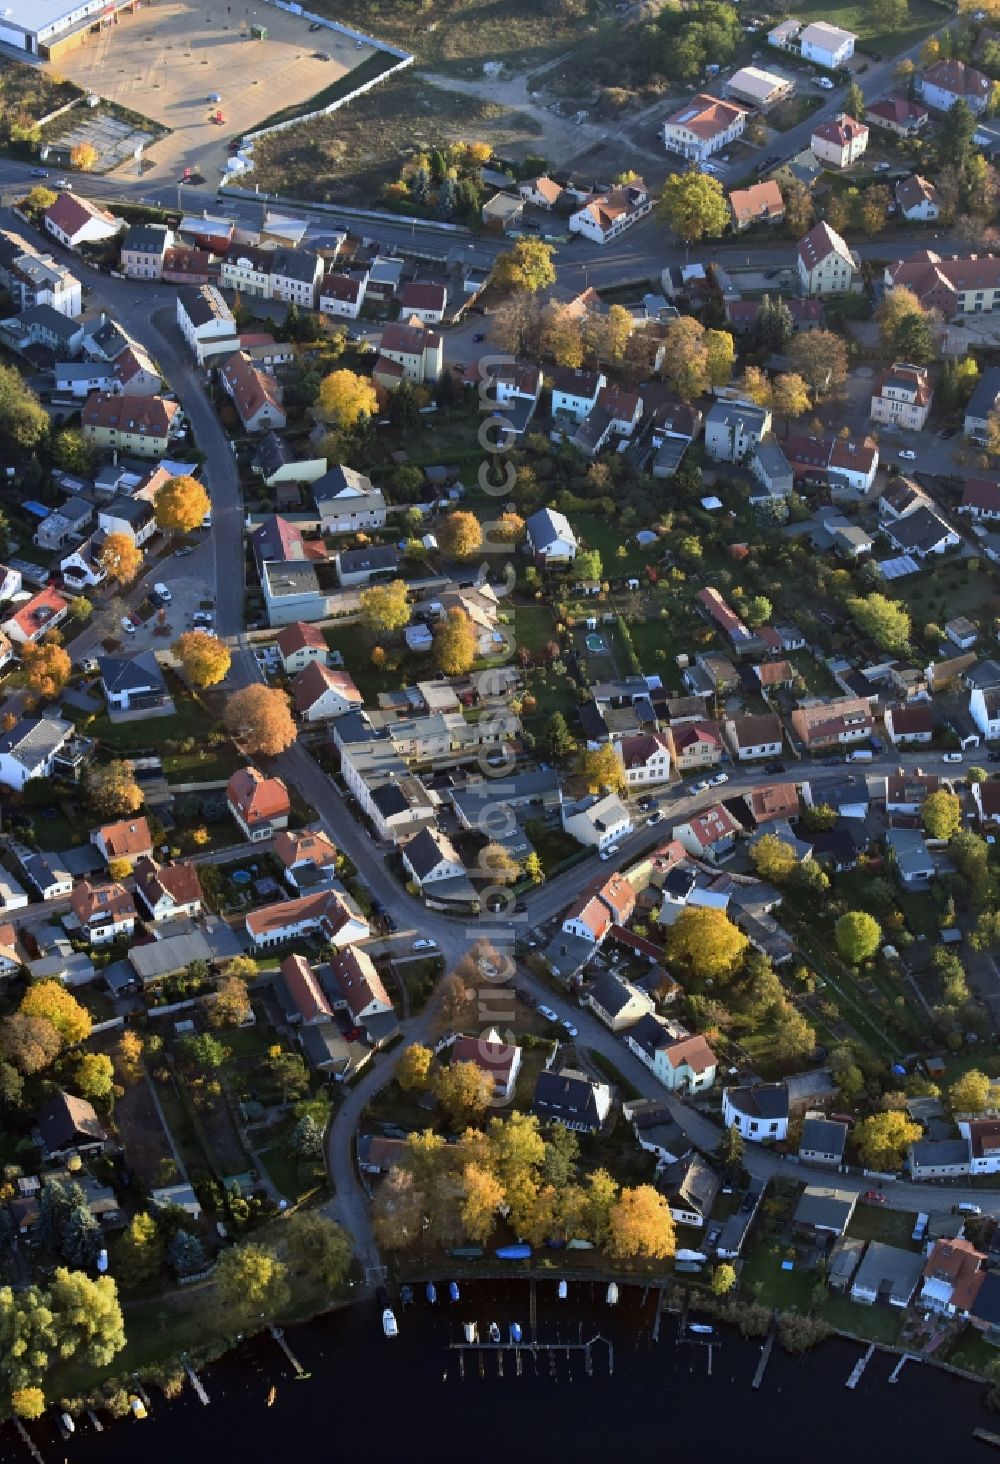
point(74, 1316)
point(450, 1192)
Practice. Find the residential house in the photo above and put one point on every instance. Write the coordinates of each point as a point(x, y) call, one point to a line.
point(291, 591)
point(903, 397)
point(984, 709)
point(961, 632)
point(550, 538)
point(758, 88)
point(922, 533)
point(953, 1275)
point(945, 81)
point(347, 502)
point(825, 724)
point(10, 959)
point(308, 857)
point(588, 918)
point(917, 199)
point(205, 321)
point(572, 1099)
point(828, 45)
point(827, 266)
point(754, 737)
point(822, 1212)
point(133, 683)
point(360, 567)
point(105, 912)
point(759, 1112)
point(597, 821)
point(733, 429)
point(984, 1143)
point(129, 839)
point(575, 393)
point(540, 191)
point(939, 1159)
point(889, 1272)
point(430, 857)
point(184, 266)
point(703, 126)
point(131, 516)
point(42, 332)
point(645, 759)
point(761, 203)
point(771, 468)
point(981, 405)
point(839, 142)
point(605, 216)
point(681, 1064)
point(168, 891)
point(986, 797)
point(416, 350)
point(295, 276)
point(503, 212)
point(823, 1141)
point(305, 1001)
point(328, 914)
point(709, 835)
point(427, 302)
point(321, 691)
point(980, 500)
point(618, 1003)
point(47, 872)
point(255, 394)
point(143, 250)
point(30, 749)
point(775, 676)
point(725, 618)
point(34, 618)
point(299, 645)
point(500, 1060)
point(909, 724)
point(358, 986)
point(897, 114)
point(342, 295)
point(690, 1186)
point(695, 745)
point(259, 805)
point(64, 524)
point(69, 1126)
point(75, 220)
point(81, 568)
point(129, 424)
point(38, 279)
point(957, 285)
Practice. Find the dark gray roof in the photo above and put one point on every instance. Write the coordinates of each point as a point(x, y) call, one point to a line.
point(649, 1032)
point(294, 264)
point(592, 722)
point(920, 530)
point(825, 1209)
point(569, 1099)
point(927, 1152)
point(609, 993)
point(50, 319)
point(389, 798)
point(690, 1182)
point(986, 1306)
point(375, 558)
point(130, 673)
point(765, 1100)
point(34, 739)
point(423, 852)
point(983, 399)
point(823, 1136)
point(340, 480)
point(146, 239)
point(67, 1120)
point(984, 676)
point(134, 511)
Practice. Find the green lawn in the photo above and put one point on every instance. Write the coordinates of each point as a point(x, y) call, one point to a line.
point(553, 845)
point(785, 1290)
point(534, 626)
point(203, 764)
point(923, 17)
point(607, 537)
point(879, 1323)
point(191, 719)
point(878, 1222)
point(973, 1352)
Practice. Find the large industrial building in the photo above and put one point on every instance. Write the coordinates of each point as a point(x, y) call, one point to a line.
point(47, 28)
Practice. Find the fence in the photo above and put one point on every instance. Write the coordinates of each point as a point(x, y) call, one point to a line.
point(404, 59)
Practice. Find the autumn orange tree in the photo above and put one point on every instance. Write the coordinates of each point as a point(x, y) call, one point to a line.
point(641, 1225)
point(345, 397)
point(120, 559)
point(46, 668)
point(259, 718)
point(455, 643)
point(112, 788)
point(180, 505)
point(460, 534)
point(83, 156)
point(53, 1003)
point(204, 658)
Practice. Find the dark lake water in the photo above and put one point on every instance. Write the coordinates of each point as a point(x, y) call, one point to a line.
point(370, 1398)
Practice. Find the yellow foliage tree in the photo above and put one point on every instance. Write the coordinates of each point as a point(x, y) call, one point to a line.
point(460, 534)
point(599, 767)
point(113, 790)
point(260, 719)
point(345, 397)
point(455, 643)
point(120, 559)
point(385, 608)
point(47, 668)
point(180, 505)
point(205, 658)
point(83, 156)
point(641, 1225)
point(53, 1003)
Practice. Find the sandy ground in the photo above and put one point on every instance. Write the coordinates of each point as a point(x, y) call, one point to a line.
point(167, 60)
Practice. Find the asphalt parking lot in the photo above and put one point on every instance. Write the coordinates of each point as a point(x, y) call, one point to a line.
point(188, 594)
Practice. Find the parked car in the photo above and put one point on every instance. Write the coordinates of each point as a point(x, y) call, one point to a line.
point(718, 780)
point(881, 167)
point(654, 818)
point(701, 787)
point(39, 173)
point(547, 1013)
point(952, 757)
point(163, 593)
point(874, 1197)
point(569, 1028)
point(908, 454)
point(203, 619)
point(129, 626)
point(824, 82)
point(610, 851)
point(947, 432)
point(423, 945)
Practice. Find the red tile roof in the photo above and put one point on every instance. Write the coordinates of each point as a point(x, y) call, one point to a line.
point(257, 797)
point(981, 493)
point(316, 679)
point(303, 987)
point(126, 839)
point(298, 636)
point(70, 213)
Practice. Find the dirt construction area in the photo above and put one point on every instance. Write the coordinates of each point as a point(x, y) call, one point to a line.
point(170, 59)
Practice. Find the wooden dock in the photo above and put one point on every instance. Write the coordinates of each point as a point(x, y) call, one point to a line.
point(765, 1353)
point(27, 1440)
point(986, 1437)
point(859, 1367)
point(279, 1336)
point(659, 1312)
point(196, 1382)
point(906, 1357)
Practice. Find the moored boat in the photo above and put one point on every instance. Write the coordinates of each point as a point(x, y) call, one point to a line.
point(612, 1297)
point(389, 1324)
point(453, 1291)
point(494, 1331)
point(431, 1293)
point(515, 1331)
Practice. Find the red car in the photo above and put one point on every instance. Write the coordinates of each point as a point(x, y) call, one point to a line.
point(874, 1197)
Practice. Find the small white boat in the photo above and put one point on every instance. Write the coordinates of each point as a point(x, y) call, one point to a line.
point(700, 1328)
point(515, 1331)
point(431, 1291)
point(563, 1290)
point(137, 1406)
point(612, 1297)
point(471, 1331)
point(389, 1324)
point(494, 1331)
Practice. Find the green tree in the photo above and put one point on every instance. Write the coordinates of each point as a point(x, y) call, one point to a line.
point(306, 1138)
point(942, 814)
point(706, 942)
point(694, 206)
point(385, 608)
point(533, 868)
point(464, 1091)
point(23, 419)
point(773, 859)
point(854, 102)
point(556, 739)
point(587, 565)
point(250, 1279)
point(562, 1155)
point(317, 1248)
point(288, 1070)
point(186, 1254)
point(729, 1150)
point(885, 621)
point(88, 1317)
point(955, 134)
point(857, 935)
point(883, 1138)
point(140, 1252)
point(94, 1076)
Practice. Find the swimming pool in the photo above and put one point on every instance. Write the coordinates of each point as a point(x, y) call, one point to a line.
point(595, 642)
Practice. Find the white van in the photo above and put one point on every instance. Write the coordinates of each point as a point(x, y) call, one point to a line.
point(860, 754)
point(965, 1208)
